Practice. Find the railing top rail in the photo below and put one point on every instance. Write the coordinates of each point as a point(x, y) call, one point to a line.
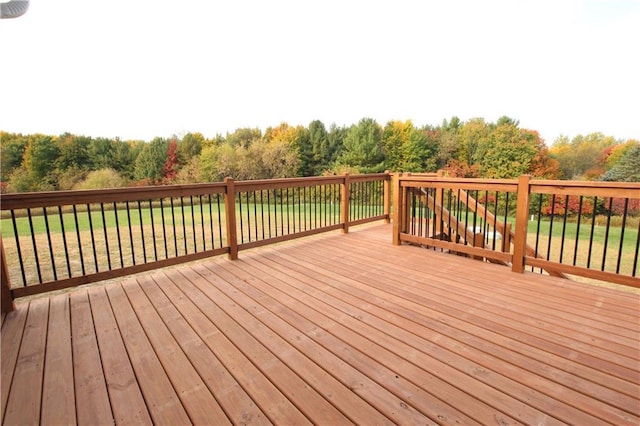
point(558, 187)
point(586, 188)
point(434, 178)
point(367, 177)
point(62, 198)
point(251, 185)
point(457, 183)
point(254, 185)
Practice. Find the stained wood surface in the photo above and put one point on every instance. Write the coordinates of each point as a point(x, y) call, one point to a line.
point(332, 329)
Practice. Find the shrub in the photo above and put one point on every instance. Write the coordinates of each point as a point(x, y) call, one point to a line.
point(104, 178)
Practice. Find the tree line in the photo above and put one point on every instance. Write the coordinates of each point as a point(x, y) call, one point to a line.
point(475, 148)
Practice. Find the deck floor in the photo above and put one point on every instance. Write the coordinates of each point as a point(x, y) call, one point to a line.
point(333, 329)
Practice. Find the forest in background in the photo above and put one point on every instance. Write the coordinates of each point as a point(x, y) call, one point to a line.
point(473, 148)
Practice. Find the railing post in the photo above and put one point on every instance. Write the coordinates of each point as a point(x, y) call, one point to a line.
point(230, 210)
point(387, 196)
point(398, 209)
point(7, 299)
point(522, 219)
point(346, 188)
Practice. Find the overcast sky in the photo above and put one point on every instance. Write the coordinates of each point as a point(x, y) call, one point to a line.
point(137, 69)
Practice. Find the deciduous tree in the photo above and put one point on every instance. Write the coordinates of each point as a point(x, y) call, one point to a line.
point(509, 152)
point(74, 152)
point(12, 148)
point(39, 157)
point(149, 164)
point(171, 164)
point(190, 146)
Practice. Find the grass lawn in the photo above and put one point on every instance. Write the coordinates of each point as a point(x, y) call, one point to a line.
point(190, 228)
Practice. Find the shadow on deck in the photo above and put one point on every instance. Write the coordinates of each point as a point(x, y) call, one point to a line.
point(332, 329)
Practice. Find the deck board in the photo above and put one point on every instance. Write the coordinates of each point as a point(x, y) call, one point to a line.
point(509, 387)
point(230, 395)
point(332, 329)
point(24, 403)
point(126, 397)
point(58, 402)
point(161, 397)
point(10, 345)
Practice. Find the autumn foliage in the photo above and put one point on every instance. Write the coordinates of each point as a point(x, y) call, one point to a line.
point(472, 149)
point(171, 165)
point(572, 205)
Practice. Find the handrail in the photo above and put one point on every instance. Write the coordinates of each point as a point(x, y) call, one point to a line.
point(54, 240)
point(576, 246)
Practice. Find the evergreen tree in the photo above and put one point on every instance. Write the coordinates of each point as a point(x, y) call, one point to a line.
point(362, 147)
point(628, 169)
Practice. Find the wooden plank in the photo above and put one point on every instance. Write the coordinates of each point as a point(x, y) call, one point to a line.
point(300, 332)
point(486, 402)
point(445, 288)
point(196, 398)
point(11, 336)
point(368, 328)
point(92, 398)
point(326, 381)
point(23, 406)
point(126, 398)
point(235, 401)
point(506, 304)
point(264, 393)
point(527, 340)
point(494, 364)
point(58, 401)
point(299, 393)
point(163, 403)
point(620, 306)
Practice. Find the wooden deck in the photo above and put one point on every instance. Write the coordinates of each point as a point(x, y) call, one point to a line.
point(332, 329)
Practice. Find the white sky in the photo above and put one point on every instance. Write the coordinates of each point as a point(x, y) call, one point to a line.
point(137, 69)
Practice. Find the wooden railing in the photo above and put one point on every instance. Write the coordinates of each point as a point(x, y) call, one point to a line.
point(587, 229)
point(55, 240)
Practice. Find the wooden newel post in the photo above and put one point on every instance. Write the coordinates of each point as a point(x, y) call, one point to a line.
point(398, 209)
point(522, 221)
point(230, 210)
point(6, 298)
point(346, 188)
point(387, 197)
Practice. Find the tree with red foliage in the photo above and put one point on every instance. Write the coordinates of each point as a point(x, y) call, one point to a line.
point(572, 206)
point(456, 168)
point(618, 206)
point(171, 165)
